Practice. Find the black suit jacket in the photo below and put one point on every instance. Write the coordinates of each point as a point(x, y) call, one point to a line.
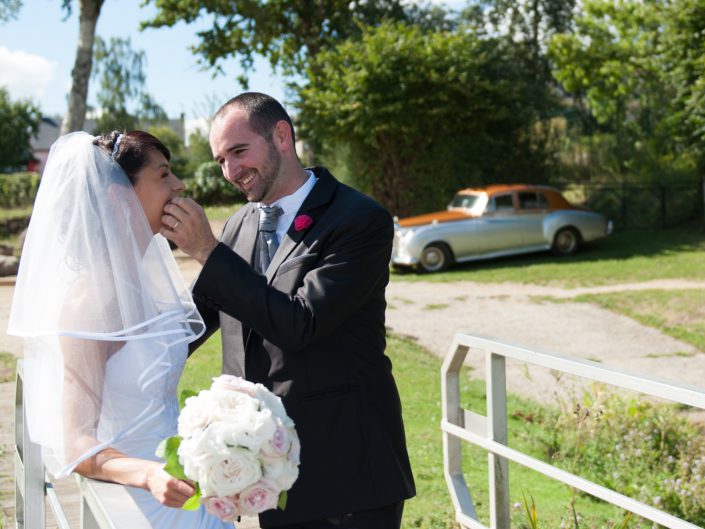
point(313, 331)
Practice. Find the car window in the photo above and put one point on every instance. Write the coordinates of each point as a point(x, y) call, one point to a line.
point(501, 203)
point(464, 200)
point(532, 200)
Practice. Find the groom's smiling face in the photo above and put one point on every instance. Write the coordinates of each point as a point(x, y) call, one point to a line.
point(249, 161)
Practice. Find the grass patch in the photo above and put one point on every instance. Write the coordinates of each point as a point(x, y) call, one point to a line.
point(677, 313)
point(12, 213)
point(436, 306)
point(8, 363)
point(223, 211)
point(624, 257)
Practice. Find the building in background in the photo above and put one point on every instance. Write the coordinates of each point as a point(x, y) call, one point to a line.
point(49, 129)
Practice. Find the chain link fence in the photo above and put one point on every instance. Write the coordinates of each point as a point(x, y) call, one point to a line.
point(641, 205)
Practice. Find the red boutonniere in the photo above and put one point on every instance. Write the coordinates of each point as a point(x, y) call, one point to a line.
point(302, 222)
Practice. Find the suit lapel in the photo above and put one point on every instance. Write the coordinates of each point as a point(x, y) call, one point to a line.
point(246, 241)
point(319, 196)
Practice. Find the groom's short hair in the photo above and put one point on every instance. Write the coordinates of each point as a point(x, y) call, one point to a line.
point(263, 113)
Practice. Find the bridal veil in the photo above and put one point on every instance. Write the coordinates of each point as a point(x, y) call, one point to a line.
point(92, 279)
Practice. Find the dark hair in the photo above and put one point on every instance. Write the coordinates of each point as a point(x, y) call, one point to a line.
point(133, 150)
point(263, 112)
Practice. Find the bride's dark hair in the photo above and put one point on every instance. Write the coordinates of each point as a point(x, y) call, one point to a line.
point(133, 149)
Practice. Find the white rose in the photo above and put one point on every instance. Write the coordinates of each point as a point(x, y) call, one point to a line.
point(196, 414)
point(273, 403)
point(196, 451)
point(233, 383)
point(280, 470)
point(295, 449)
point(229, 472)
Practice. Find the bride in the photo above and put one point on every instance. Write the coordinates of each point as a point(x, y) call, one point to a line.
point(106, 320)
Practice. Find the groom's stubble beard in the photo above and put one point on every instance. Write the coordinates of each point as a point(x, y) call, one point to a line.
point(267, 176)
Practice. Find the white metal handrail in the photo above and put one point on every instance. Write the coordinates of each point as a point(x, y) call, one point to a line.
point(490, 431)
point(103, 505)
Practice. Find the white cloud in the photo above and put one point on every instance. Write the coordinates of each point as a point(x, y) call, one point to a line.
point(26, 76)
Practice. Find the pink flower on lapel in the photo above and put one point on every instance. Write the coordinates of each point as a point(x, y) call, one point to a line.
point(302, 222)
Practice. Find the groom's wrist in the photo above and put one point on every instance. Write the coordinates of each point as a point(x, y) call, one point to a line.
point(205, 252)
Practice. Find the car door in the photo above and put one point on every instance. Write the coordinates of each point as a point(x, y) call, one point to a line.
point(533, 207)
point(498, 229)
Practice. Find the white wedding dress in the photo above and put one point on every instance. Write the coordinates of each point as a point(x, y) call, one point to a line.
point(106, 320)
point(122, 391)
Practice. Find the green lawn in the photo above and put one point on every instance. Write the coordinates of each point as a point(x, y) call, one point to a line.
point(418, 377)
point(628, 256)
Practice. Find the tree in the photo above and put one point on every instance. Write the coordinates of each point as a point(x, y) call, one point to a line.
point(89, 11)
point(19, 122)
point(121, 96)
point(287, 33)
point(416, 114)
point(684, 54)
point(9, 9)
point(618, 60)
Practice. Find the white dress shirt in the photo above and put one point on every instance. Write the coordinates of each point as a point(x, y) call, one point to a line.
point(291, 204)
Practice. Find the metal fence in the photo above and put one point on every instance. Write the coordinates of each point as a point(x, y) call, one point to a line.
point(490, 431)
point(631, 205)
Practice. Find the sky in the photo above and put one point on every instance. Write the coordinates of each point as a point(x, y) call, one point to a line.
point(37, 51)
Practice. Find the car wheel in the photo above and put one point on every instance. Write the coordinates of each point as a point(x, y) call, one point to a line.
point(435, 257)
point(566, 242)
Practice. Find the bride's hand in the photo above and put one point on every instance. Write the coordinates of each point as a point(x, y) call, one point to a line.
point(166, 488)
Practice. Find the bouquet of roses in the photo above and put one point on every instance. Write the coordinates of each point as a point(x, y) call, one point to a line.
point(237, 444)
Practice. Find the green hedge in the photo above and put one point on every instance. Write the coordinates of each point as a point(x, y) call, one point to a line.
point(18, 189)
point(208, 187)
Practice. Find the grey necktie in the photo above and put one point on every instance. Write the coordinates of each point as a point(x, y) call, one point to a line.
point(268, 242)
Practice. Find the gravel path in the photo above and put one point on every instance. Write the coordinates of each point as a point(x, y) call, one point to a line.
point(432, 313)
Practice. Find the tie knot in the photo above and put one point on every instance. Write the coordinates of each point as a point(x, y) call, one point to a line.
point(268, 217)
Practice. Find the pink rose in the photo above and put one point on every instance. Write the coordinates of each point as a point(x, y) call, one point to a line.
point(261, 496)
point(233, 383)
point(279, 444)
point(223, 508)
point(302, 222)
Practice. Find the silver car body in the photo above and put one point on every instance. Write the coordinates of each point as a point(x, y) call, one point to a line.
point(487, 231)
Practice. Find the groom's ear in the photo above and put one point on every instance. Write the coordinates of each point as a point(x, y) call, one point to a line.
point(282, 136)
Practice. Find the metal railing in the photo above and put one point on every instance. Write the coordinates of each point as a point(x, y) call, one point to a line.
point(102, 506)
point(490, 431)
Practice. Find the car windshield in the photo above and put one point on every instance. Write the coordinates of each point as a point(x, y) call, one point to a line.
point(464, 200)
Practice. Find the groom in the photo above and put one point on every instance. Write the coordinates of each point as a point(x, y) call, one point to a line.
point(296, 285)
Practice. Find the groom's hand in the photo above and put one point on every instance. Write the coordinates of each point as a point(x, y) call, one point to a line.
point(185, 223)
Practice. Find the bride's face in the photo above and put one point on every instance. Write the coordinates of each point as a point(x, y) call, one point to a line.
point(156, 185)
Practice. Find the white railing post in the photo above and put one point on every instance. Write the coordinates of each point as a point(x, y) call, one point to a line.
point(497, 431)
point(452, 446)
point(30, 511)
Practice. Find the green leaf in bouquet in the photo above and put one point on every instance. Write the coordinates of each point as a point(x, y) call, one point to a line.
point(186, 393)
point(171, 457)
point(194, 502)
point(281, 503)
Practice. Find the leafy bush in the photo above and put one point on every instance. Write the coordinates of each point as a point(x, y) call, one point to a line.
point(208, 187)
point(18, 189)
point(642, 449)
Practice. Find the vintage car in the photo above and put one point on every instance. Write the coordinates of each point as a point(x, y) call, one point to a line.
point(495, 221)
